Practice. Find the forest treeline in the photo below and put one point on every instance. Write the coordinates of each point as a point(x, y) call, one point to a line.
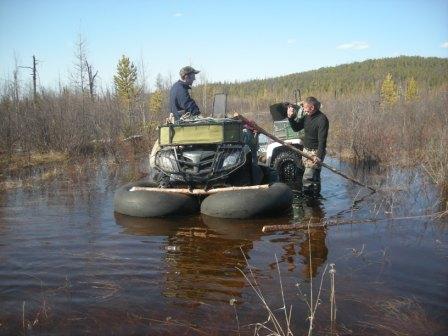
point(390, 100)
point(338, 82)
point(354, 78)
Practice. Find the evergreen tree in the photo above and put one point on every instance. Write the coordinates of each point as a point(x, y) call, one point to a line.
point(155, 103)
point(411, 90)
point(125, 81)
point(389, 91)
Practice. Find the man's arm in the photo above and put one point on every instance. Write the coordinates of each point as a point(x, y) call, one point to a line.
point(188, 103)
point(297, 124)
point(322, 137)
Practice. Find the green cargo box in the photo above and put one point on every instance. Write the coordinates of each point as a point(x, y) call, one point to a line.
point(207, 133)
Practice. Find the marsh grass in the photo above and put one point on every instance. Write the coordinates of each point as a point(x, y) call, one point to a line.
point(399, 317)
point(32, 181)
point(407, 134)
point(128, 165)
point(278, 321)
point(20, 161)
point(273, 324)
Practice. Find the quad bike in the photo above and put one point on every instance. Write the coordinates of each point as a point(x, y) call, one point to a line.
point(206, 164)
point(208, 152)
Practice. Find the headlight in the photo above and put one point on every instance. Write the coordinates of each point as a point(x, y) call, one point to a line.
point(231, 160)
point(166, 161)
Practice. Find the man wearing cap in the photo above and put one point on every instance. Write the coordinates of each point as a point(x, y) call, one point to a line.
point(180, 100)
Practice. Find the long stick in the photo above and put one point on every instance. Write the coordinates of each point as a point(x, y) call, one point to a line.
point(273, 137)
point(323, 223)
point(199, 191)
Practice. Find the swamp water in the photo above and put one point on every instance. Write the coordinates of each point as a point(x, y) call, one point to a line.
point(70, 266)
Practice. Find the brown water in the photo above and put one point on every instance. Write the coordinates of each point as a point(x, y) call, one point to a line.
point(70, 266)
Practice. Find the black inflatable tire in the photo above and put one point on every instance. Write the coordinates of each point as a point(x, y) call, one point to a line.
point(152, 203)
point(290, 161)
point(242, 204)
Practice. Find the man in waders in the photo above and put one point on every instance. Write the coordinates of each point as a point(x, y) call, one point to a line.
point(315, 124)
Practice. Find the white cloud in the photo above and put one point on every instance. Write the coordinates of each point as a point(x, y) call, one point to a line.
point(291, 41)
point(354, 46)
point(178, 14)
point(444, 45)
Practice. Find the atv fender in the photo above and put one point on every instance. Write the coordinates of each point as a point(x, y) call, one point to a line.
point(274, 147)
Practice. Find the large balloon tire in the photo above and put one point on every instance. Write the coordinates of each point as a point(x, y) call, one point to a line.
point(152, 203)
point(251, 203)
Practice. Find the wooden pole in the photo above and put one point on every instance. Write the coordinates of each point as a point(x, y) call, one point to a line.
point(324, 223)
point(199, 191)
point(273, 137)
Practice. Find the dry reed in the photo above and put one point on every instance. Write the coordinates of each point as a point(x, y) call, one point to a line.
point(273, 325)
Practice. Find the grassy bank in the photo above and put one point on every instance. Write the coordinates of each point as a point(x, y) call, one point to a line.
point(407, 134)
point(35, 169)
point(18, 161)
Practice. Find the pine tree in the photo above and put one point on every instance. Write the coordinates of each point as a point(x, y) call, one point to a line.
point(411, 90)
point(125, 81)
point(155, 103)
point(389, 91)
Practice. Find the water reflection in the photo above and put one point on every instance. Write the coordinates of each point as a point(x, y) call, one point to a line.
point(201, 254)
point(152, 226)
point(313, 249)
point(309, 244)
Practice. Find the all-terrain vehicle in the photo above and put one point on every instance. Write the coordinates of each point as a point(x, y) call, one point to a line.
point(285, 161)
point(207, 165)
point(206, 152)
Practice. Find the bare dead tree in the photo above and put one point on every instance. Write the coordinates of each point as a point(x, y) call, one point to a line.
point(91, 78)
point(16, 100)
point(79, 75)
point(79, 79)
point(34, 75)
point(144, 89)
point(7, 125)
point(34, 78)
point(203, 82)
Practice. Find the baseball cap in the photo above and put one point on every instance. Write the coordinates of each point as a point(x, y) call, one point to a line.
point(187, 70)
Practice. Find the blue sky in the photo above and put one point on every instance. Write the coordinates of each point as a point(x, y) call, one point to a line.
point(226, 40)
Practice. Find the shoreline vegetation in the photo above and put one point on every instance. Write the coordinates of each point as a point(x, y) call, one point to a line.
point(383, 113)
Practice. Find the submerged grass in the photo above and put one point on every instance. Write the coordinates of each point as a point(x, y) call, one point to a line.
point(42, 169)
point(20, 161)
point(278, 325)
point(273, 325)
point(399, 317)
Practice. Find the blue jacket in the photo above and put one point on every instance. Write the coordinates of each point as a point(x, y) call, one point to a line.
point(180, 100)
